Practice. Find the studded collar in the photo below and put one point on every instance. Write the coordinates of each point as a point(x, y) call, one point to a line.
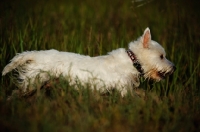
point(135, 61)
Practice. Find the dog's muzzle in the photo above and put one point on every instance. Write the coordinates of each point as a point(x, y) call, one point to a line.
point(163, 74)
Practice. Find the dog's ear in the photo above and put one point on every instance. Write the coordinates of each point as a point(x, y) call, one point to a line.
point(146, 38)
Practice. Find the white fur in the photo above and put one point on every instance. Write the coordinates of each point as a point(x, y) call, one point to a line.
point(114, 70)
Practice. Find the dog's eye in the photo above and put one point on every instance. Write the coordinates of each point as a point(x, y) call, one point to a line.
point(161, 56)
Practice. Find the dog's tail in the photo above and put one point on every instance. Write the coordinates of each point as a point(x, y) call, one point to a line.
point(18, 61)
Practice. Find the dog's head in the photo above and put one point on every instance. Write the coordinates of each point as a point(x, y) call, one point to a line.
point(152, 57)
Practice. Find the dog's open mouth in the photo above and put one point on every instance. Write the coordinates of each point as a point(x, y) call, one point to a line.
point(163, 74)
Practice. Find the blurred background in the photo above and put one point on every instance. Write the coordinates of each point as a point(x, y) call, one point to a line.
point(94, 28)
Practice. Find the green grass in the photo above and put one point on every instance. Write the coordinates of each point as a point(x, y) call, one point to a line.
point(95, 28)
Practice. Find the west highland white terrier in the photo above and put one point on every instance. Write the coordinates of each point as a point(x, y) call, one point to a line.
point(121, 69)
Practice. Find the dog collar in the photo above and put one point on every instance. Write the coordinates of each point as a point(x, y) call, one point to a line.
point(135, 61)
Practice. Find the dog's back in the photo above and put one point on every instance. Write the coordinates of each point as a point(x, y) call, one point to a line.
point(101, 71)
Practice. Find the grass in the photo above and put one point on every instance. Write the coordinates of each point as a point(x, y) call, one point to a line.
point(95, 28)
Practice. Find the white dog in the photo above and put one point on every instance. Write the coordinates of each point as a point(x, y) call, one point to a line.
point(120, 69)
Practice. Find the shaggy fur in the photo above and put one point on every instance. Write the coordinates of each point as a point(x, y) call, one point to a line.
point(114, 70)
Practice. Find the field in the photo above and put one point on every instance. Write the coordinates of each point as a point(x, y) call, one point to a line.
point(95, 28)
